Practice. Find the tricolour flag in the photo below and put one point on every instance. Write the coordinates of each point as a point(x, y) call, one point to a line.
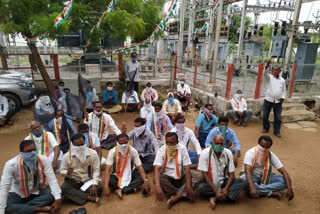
point(58, 21)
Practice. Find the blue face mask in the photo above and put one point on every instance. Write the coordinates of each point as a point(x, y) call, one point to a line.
point(38, 133)
point(181, 82)
point(223, 130)
point(64, 95)
point(171, 101)
point(134, 59)
point(217, 148)
point(89, 96)
point(87, 139)
point(29, 158)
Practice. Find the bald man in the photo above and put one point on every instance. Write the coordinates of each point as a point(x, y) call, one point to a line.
point(183, 94)
point(217, 167)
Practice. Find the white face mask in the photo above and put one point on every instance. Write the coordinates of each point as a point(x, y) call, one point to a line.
point(109, 88)
point(45, 99)
point(59, 121)
point(98, 113)
point(79, 152)
point(122, 148)
point(158, 114)
point(149, 89)
point(139, 130)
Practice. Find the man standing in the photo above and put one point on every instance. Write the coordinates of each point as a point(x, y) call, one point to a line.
point(99, 122)
point(144, 142)
point(218, 171)
point(185, 135)
point(204, 123)
point(230, 139)
point(183, 93)
point(120, 175)
point(59, 127)
point(46, 144)
point(275, 95)
point(159, 123)
point(257, 165)
point(172, 172)
point(149, 93)
point(81, 170)
point(171, 107)
point(239, 111)
point(5, 113)
point(133, 69)
point(29, 195)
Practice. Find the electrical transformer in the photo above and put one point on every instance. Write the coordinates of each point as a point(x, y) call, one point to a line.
point(306, 58)
point(279, 46)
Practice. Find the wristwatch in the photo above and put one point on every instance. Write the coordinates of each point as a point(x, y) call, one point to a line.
point(146, 180)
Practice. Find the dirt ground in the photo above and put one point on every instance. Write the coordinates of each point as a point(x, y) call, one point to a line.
point(298, 150)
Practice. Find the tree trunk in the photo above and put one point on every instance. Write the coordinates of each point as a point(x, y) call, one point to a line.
point(3, 58)
point(42, 68)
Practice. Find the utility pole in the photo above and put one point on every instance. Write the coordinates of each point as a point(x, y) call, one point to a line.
point(242, 26)
point(216, 42)
point(296, 14)
point(191, 18)
point(210, 38)
point(180, 43)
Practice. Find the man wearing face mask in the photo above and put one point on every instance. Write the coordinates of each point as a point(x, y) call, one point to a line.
point(133, 69)
point(83, 168)
point(121, 177)
point(185, 135)
point(275, 95)
point(92, 141)
point(59, 90)
point(147, 109)
point(46, 144)
point(230, 139)
point(204, 124)
point(91, 98)
point(44, 103)
point(183, 93)
point(172, 173)
point(257, 167)
point(130, 100)
point(144, 142)
point(99, 123)
point(59, 126)
point(29, 175)
point(171, 107)
point(218, 169)
point(159, 123)
point(239, 111)
point(149, 93)
point(110, 96)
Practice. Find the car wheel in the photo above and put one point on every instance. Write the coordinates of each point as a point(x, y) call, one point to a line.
point(13, 102)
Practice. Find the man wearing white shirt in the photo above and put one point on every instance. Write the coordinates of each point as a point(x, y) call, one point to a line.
point(46, 144)
point(216, 164)
point(147, 109)
point(133, 69)
point(275, 95)
point(257, 167)
point(5, 114)
point(185, 135)
point(239, 111)
point(35, 195)
point(130, 100)
point(99, 123)
point(172, 173)
point(44, 104)
point(183, 93)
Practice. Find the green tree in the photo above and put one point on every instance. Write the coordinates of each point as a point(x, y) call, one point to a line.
point(31, 18)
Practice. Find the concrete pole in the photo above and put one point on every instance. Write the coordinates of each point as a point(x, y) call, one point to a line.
point(210, 38)
point(229, 15)
point(242, 26)
point(296, 14)
point(216, 43)
point(180, 43)
point(256, 14)
point(191, 27)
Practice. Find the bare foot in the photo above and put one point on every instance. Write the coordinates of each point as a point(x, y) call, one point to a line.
point(94, 199)
point(173, 199)
point(119, 193)
point(276, 195)
point(212, 201)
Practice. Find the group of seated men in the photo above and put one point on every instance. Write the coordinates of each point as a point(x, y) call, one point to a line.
point(157, 145)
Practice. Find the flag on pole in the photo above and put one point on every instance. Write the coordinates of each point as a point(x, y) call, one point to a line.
point(76, 58)
point(58, 21)
point(67, 10)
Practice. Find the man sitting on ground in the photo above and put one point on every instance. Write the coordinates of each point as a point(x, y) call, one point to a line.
point(150, 93)
point(99, 123)
point(205, 123)
point(130, 100)
point(185, 135)
point(171, 107)
point(239, 111)
point(59, 90)
point(172, 172)
point(29, 195)
point(79, 168)
point(230, 139)
point(183, 93)
point(59, 127)
point(218, 171)
point(147, 109)
point(91, 99)
point(46, 144)
point(110, 96)
point(92, 141)
point(5, 113)
point(44, 104)
point(66, 104)
point(159, 123)
point(144, 142)
point(120, 175)
point(257, 165)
